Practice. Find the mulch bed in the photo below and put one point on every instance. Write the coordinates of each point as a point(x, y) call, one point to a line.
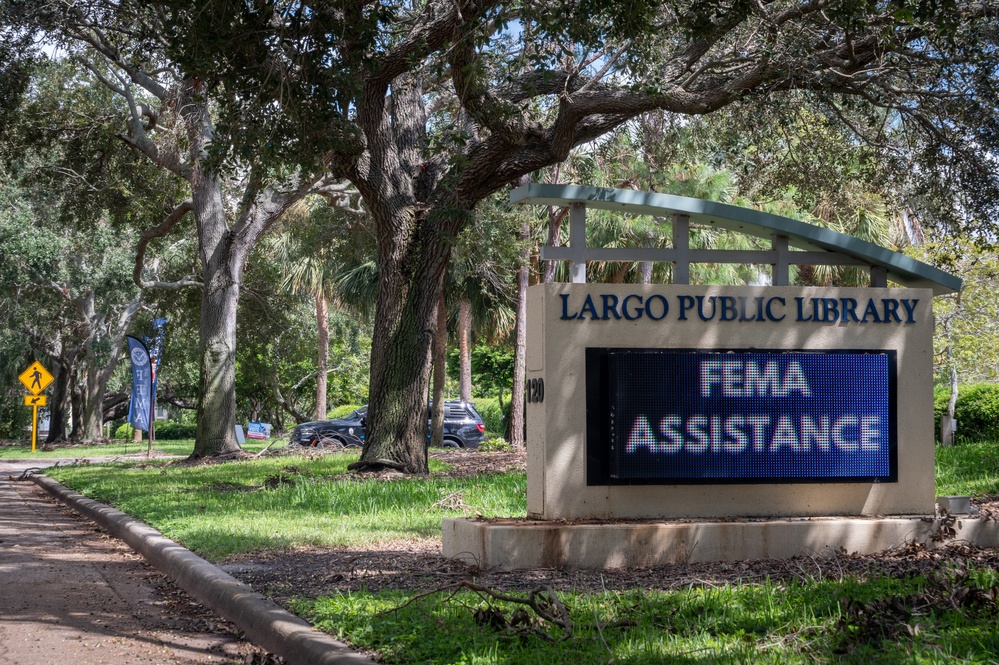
point(419, 566)
point(321, 572)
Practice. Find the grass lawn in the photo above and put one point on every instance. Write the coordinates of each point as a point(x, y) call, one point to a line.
point(968, 469)
point(798, 621)
point(73, 451)
point(283, 502)
point(945, 613)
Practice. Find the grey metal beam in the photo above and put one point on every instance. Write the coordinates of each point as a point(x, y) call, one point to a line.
point(667, 254)
point(781, 275)
point(681, 247)
point(879, 276)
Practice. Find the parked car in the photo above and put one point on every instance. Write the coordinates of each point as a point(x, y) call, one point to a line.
point(463, 428)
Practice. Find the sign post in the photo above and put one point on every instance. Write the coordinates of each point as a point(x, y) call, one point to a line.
point(36, 379)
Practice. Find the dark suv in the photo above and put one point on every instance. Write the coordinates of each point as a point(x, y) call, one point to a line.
point(463, 428)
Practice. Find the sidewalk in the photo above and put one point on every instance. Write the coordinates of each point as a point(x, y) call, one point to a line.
point(71, 595)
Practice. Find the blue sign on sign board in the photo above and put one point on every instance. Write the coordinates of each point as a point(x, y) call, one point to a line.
point(751, 416)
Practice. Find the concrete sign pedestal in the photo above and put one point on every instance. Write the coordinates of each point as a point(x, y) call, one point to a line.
point(524, 544)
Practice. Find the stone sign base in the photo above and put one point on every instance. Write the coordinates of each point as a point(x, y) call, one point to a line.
point(512, 544)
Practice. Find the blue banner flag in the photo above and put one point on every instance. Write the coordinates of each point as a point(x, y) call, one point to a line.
point(141, 405)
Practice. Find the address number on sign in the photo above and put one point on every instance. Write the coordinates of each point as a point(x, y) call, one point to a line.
point(535, 389)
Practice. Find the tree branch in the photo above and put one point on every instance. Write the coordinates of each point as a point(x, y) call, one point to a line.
point(283, 403)
point(158, 232)
point(338, 193)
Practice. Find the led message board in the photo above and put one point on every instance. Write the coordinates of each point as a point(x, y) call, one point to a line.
point(658, 416)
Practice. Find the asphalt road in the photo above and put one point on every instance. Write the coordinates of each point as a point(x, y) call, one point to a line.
point(70, 595)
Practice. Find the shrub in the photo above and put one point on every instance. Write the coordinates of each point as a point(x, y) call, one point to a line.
point(976, 412)
point(165, 430)
point(341, 411)
point(171, 431)
point(493, 417)
point(495, 444)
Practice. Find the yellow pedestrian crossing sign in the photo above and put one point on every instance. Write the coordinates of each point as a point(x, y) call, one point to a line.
point(36, 378)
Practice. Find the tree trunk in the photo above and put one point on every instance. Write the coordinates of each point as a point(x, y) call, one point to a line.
point(322, 363)
point(399, 381)
point(440, 362)
point(520, 345)
point(87, 412)
point(58, 405)
point(95, 376)
point(92, 404)
point(115, 406)
point(411, 277)
point(645, 272)
point(952, 402)
point(465, 350)
point(93, 388)
point(949, 429)
point(76, 409)
point(222, 258)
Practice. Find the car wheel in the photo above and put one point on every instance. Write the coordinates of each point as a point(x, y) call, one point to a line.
point(452, 443)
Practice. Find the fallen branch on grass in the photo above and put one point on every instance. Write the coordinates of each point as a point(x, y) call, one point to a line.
point(267, 447)
point(544, 603)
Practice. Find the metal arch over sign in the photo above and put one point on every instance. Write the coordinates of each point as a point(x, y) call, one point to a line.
point(36, 378)
point(817, 245)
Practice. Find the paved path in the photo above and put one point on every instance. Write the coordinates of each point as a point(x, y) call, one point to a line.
point(72, 596)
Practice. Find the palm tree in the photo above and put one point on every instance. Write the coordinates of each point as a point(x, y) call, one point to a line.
point(315, 252)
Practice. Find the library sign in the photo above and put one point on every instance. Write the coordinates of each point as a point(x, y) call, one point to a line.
point(784, 400)
point(743, 309)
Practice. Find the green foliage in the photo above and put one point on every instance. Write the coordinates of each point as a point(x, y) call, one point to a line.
point(966, 337)
point(976, 411)
point(342, 410)
point(166, 430)
point(72, 207)
point(492, 369)
point(277, 347)
point(172, 431)
point(494, 417)
point(495, 444)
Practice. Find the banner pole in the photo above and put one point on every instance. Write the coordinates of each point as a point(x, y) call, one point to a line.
point(152, 416)
point(152, 406)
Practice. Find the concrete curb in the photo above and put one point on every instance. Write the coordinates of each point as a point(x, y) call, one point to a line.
point(263, 621)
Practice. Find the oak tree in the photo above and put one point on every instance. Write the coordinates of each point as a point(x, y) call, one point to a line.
point(427, 108)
